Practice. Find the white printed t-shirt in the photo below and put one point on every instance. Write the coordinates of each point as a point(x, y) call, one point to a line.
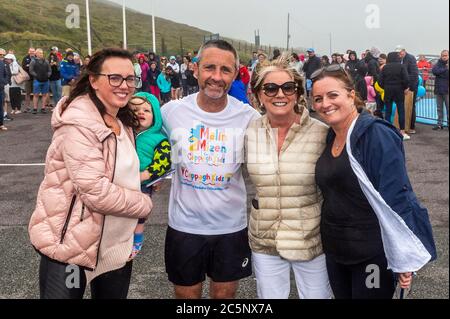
point(208, 195)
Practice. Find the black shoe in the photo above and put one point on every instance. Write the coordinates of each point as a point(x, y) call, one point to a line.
point(34, 112)
point(437, 128)
point(43, 111)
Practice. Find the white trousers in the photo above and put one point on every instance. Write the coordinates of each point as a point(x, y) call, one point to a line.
point(273, 277)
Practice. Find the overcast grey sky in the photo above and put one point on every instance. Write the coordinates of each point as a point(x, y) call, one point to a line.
point(422, 26)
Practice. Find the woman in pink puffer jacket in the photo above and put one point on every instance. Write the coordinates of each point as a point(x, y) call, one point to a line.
point(89, 202)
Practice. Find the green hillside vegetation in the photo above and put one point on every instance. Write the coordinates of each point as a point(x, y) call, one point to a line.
point(42, 23)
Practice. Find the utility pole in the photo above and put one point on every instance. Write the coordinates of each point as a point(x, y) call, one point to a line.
point(124, 16)
point(331, 45)
point(181, 46)
point(153, 26)
point(288, 31)
point(88, 19)
point(257, 39)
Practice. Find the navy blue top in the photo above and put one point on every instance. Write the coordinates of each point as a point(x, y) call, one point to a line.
point(378, 147)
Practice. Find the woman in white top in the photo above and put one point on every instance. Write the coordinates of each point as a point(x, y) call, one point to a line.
point(15, 93)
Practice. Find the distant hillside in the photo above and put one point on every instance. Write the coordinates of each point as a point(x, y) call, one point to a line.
point(43, 23)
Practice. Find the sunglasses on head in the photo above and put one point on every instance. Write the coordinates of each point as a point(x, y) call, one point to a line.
point(330, 68)
point(272, 89)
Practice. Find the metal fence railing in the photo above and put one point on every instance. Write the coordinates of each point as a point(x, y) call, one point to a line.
point(426, 107)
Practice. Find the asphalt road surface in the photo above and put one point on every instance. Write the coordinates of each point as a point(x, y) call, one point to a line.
point(29, 136)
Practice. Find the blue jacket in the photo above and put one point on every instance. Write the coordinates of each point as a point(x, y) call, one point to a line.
point(440, 70)
point(3, 75)
point(378, 148)
point(238, 91)
point(69, 71)
point(163, 84)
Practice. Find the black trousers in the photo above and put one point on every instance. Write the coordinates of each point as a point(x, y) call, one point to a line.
point(63, 281)
point(396, 95)
point(380, 106)
point(360, 281)
point(15, 96)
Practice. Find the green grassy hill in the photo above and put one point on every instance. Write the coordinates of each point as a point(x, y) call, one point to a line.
point(42, 23)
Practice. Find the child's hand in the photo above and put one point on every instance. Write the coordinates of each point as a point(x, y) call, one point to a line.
point(137, 245)
point(145, 175)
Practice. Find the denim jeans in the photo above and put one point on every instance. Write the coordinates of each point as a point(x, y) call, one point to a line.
point(56, 88)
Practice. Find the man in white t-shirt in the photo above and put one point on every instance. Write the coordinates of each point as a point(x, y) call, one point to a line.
point(207, 233)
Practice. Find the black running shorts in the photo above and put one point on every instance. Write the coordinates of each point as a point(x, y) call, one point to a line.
point(189, 258)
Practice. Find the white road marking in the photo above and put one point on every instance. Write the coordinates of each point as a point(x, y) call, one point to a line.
point(21, 165)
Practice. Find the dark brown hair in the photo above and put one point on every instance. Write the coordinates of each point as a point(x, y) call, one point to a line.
point(343, 77)
point(83, 85)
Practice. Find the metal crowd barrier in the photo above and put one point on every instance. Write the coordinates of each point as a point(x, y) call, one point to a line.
point(426, 107)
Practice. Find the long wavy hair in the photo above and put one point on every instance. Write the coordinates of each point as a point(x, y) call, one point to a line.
point(83, 85)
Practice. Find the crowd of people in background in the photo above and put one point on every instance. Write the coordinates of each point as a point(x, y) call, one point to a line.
point(333, 197)
point(380, 79)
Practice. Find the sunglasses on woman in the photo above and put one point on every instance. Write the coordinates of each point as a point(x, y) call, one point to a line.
point(330, 68)
point(272, 89)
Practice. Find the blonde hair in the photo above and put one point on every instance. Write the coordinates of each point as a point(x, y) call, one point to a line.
point(280, 64)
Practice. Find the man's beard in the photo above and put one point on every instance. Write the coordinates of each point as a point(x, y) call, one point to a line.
point(215, 95)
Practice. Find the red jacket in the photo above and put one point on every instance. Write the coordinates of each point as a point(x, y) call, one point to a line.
point(245, 76)
point(424, 67)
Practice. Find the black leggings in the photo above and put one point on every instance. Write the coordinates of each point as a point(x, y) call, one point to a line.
point(396, 95)
point(15, 96)
point(62, 281)
point(350, 281)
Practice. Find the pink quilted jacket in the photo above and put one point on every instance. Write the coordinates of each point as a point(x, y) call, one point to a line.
point(77, 191)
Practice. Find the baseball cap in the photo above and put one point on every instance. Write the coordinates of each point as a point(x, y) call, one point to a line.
point(399, 48)
point(310, 50)
point(55, 49)
point(172, 58)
